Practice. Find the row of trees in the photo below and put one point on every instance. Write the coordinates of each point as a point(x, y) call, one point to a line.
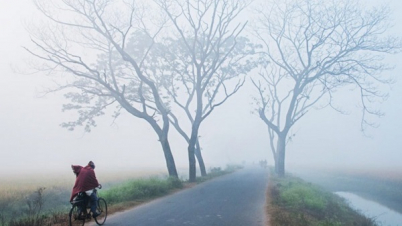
point(163, 59)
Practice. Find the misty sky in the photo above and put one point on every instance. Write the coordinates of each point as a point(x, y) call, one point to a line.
point(31, 138)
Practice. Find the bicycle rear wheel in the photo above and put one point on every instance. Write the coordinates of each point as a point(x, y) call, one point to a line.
point(102, 209)
point(76, 216)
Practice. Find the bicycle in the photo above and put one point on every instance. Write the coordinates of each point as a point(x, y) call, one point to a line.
point(80, 210)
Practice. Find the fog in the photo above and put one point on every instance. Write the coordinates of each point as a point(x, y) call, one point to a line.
point(31, 139)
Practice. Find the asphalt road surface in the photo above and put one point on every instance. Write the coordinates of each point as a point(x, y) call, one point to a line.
point(236, 199)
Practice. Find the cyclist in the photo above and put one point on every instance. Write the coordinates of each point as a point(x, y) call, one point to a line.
point(86, 182)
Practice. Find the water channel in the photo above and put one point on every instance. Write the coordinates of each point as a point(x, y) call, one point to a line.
point(383, 215)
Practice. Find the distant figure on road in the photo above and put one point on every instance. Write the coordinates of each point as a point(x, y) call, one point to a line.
point(263, 164)
point(86, 182)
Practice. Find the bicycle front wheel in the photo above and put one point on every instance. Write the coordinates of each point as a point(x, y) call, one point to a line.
point(102, 209)
point(76, 216)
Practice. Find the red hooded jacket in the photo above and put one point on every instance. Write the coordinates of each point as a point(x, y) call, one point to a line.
point(85, 181)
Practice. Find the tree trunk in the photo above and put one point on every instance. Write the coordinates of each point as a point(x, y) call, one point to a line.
point(197, 148)
point(191, 161)
point(200, 159)
point(191, 150)
point(171, 166)
point(280, 156)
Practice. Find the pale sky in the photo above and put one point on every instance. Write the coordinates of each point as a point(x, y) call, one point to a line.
point(31, 138)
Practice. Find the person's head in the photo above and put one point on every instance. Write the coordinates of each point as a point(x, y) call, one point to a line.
point(91, 164)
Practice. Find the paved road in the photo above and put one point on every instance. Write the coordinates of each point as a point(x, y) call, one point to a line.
point(236, 199)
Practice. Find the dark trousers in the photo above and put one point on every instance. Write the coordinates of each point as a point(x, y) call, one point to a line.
point(94, 200)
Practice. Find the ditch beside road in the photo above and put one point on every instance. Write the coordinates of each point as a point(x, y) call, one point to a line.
point(375, 193)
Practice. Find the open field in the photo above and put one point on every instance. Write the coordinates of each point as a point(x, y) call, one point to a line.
point(49, 193)
point(60, 183)
point(31, 181)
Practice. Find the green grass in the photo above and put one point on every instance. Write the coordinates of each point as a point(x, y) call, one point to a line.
point(140, 189)
point(302, 195)
point(295, 202)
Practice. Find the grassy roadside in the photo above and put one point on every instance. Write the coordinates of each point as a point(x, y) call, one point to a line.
point(119, 197)
point(294, 202)
point(380, 185)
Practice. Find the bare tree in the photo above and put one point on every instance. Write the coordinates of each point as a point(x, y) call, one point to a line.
point(207, 61)
point(311, 50)
point(86, 42)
